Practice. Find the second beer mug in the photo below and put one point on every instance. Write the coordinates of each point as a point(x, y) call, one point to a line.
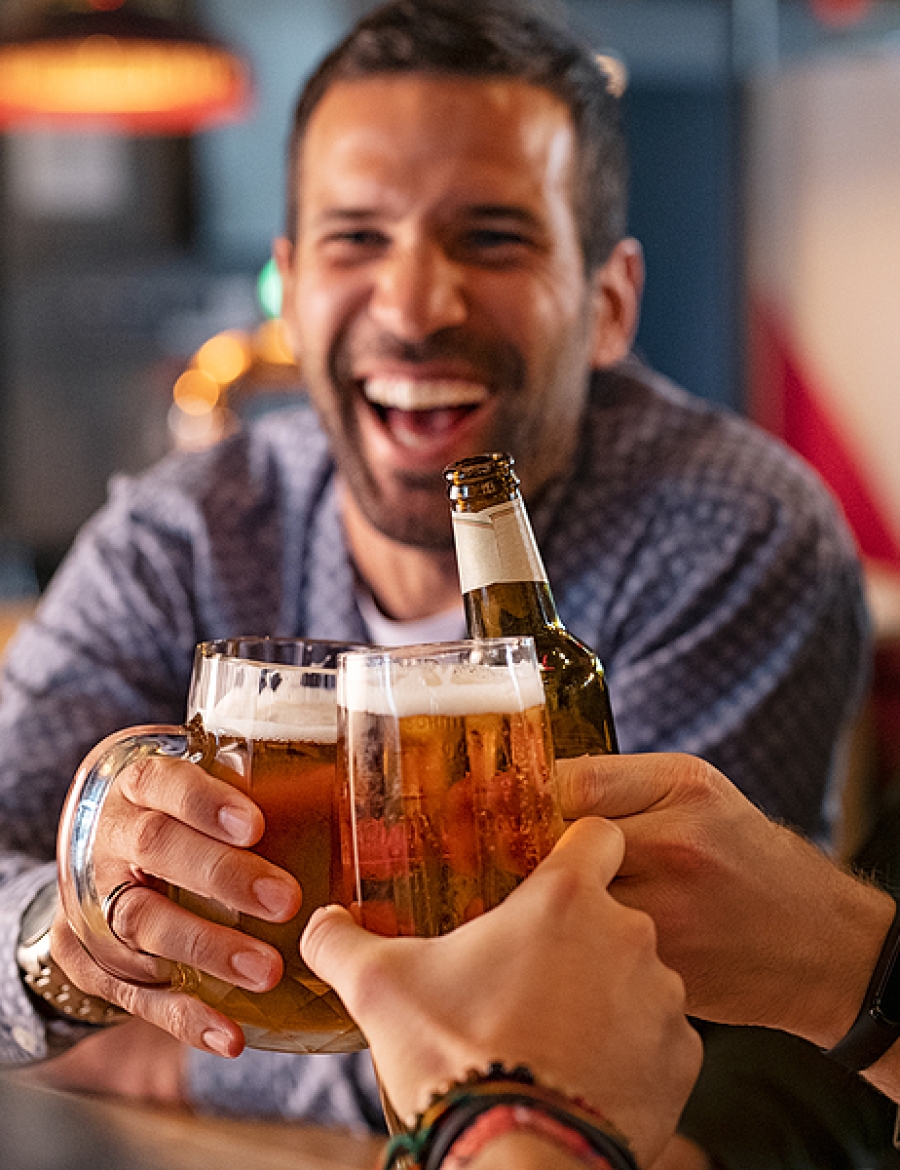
point(262, 716)
point(446, 754)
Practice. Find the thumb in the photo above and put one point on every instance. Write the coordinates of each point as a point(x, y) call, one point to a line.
point(592, 845)
point(333, 946)
point(615, 786)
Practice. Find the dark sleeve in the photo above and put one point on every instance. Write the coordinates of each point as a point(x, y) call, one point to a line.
point(769, 1101)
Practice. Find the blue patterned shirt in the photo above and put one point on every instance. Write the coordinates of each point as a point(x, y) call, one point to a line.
point(704, 562)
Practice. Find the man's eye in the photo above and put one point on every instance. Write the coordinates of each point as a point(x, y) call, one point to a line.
point(356, 239)
point(495, 238)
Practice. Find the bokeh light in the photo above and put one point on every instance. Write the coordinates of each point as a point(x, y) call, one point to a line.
point(196, 392)
point(224, 357)
point(268, 289)
point(270, 343)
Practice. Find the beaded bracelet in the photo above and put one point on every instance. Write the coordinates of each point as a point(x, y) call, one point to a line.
point(456, 1110)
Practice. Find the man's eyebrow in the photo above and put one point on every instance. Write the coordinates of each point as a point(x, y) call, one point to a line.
point(483, 212)
point(505, 211)
point(343, 215)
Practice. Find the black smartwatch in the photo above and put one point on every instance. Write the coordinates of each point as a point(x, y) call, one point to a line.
point(56, 996)
point(877, 1026)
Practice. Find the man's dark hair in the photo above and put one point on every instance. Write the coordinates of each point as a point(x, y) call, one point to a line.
point(481, 39)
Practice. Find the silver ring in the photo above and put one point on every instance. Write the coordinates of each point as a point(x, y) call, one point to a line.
point(108, 905)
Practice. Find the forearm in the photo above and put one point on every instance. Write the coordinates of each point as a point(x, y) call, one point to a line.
point(828, 965)
point(875, 911)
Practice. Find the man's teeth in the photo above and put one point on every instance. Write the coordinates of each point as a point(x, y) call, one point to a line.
point(416, 394)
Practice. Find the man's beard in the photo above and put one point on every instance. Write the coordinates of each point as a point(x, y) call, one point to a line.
point(421, 521)
point(414, 511)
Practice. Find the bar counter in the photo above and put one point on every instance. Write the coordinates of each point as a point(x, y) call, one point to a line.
point(53, 1130)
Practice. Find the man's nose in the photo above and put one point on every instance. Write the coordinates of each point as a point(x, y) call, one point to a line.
point(418, 291)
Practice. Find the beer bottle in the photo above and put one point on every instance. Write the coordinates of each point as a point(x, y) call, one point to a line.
point(506, 593)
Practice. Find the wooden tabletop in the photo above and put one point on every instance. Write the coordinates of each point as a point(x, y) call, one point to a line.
point(121, 1135)
point(181, 1141)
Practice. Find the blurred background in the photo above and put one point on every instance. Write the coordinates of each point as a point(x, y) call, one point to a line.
point(137, 312)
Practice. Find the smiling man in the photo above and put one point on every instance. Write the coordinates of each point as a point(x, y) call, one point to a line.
point(438, 290)
point(458, 278)
point(442, 301)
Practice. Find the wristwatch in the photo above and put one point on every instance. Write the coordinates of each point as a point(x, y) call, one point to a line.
point(877, 1026)
point(57, 995)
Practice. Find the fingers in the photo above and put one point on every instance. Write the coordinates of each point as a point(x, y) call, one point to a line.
point(191, 795)
point(591, 844)
point(170, 819)
point(183, 1016)
point(332, 944)
point(156, 844)
point(150, 922)
point(167, 822)
point(620, 786)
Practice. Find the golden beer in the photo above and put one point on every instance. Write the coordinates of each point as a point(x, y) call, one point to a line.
point(272, 734)
point(449, 771)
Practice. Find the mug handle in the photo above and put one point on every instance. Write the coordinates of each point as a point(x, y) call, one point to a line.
point(75, 849)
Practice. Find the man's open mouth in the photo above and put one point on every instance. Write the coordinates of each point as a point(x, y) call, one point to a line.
point(417, 412)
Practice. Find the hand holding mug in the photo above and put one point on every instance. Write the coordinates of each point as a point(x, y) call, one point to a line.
point(183, 852)
point(560, 977)
point(150, 835)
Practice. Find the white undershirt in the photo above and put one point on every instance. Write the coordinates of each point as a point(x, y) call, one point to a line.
point(447, 626)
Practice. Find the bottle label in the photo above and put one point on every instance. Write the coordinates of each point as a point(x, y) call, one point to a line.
point(496, 545)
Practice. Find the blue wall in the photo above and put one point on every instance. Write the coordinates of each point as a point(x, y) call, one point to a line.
point(684, 210)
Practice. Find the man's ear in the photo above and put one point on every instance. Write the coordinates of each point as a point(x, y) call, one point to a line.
point(618, 286)
point(283, 253)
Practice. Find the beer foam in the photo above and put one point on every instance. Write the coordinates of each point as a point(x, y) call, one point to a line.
point(293, 711)
point(433, 689)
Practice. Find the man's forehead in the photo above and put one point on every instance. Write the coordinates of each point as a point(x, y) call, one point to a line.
point(434, 121)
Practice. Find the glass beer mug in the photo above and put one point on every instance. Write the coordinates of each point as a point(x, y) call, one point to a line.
point(447, 760)
point(262, 716)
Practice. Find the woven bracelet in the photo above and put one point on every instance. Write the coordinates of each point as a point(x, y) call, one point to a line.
point(456, 1110)
point(499, 1120)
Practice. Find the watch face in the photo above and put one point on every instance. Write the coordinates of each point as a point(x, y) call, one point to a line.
point(37, 918)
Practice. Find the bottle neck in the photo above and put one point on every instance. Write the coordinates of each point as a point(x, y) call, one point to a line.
point(496, 546)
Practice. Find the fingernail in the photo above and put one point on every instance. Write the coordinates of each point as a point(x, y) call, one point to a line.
point(217, 1041)
point(236, 822)
point(275, 896)
point(253, 967)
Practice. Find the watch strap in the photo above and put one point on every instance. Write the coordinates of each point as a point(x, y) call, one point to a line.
point(873, 1032)
point(54, 994)
point(47, 980)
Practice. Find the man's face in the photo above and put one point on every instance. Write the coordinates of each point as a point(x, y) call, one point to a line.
point(436, 295)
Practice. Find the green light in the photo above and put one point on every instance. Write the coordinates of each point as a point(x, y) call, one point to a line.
point(268, 289)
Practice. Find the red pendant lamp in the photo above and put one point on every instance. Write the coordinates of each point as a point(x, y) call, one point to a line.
point(840, 13)
point(108, 65)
